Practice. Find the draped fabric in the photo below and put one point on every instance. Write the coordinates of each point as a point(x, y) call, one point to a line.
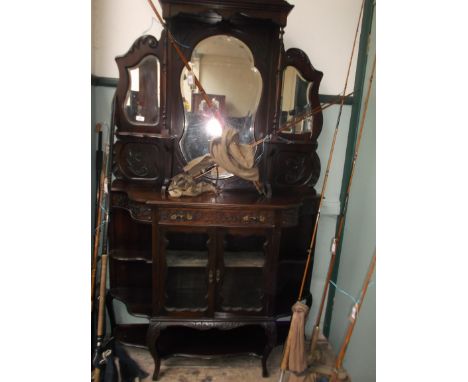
point(227, 153)
point(235, 157)
point(184, 184)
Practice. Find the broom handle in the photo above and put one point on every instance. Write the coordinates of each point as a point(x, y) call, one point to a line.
point(353, 318)
point(339, 231)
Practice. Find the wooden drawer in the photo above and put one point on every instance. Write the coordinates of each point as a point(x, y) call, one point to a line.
point(229, 218)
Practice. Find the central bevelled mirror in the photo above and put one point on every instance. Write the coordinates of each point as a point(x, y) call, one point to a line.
point(225, 67)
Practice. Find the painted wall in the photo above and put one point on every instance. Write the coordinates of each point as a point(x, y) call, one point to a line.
point(359, 241)
point(324, 29)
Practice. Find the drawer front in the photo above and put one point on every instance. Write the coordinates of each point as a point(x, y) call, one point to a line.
point(230, 218)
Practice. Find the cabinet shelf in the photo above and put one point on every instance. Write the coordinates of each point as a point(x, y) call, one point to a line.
point(244, 259)
point(189, 259)
point(131, 255)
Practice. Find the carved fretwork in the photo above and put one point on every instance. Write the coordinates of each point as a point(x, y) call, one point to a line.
point(137, 211)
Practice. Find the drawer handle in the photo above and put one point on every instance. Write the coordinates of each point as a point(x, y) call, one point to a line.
point(181, 216)
point(253, 219)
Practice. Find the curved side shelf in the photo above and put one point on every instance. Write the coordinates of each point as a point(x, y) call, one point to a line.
point(136, 300)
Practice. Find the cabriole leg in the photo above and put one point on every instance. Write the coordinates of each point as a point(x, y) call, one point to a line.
point(152, 336)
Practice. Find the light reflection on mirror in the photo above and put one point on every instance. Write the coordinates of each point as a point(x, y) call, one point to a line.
point(225, 67)
point(295, 101)
point(142, 99)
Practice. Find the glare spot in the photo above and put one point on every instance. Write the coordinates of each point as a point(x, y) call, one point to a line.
point(214, 128)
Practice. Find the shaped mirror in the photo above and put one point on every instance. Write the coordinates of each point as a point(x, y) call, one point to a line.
point(141, 104)
point(295, 101)
point(225, 67)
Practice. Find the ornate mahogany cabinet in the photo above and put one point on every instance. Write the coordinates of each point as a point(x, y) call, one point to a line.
point(213, 269)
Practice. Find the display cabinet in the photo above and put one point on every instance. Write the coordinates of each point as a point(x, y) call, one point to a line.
point(214, 268)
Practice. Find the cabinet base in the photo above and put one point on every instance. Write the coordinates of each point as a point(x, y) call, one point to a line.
point(210, 337)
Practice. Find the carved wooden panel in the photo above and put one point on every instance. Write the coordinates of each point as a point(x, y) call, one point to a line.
point(293, 166)
point(134, 160)
point(298, 168)
point(289, 218)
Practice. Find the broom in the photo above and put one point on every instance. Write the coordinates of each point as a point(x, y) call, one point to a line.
point(297, 325)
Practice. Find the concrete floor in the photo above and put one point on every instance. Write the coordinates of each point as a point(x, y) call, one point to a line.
point(223, 369)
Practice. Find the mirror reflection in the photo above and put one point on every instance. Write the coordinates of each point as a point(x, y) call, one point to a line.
point(142, 99)
point(225, 67)
point(294, 101)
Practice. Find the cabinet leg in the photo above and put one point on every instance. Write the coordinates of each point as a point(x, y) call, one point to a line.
point(152, 336)
point(270, 332)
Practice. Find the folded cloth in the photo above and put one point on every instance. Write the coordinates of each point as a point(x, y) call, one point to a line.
point(234, 157)
point(199, 165)
point(185, 185)
point(228, 154)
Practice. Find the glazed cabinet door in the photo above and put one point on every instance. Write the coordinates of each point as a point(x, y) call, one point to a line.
point(241, 271)
point(185, 272)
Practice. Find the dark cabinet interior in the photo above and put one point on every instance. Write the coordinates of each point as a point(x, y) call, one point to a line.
point(213, 268)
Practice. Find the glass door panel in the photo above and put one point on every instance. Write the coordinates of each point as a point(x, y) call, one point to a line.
point(186, 287)
point(241, 287)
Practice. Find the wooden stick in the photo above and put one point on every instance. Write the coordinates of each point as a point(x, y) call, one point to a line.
point(353, 318)
point(339, 231)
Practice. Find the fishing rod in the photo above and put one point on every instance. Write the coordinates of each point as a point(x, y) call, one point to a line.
point(353, 318)
point(103, 205)
point(287, 125)
point(99, 220)
point(324, 187)
point(101, 318)
point(339, 231)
